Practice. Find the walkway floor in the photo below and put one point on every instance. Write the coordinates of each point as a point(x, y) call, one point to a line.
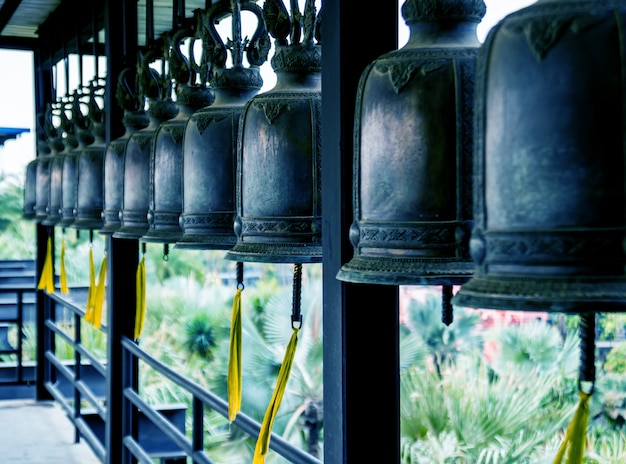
point(39, 432)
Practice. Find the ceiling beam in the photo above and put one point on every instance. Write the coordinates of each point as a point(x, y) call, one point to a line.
point(6, 12)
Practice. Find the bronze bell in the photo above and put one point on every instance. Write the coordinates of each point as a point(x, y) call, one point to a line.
point(210, 143)
point(30, 190)
point(70, 163)
point(550, 157)
point(278, 215)
point(55, 145)
point(68, 142)
point(134, 119)
point(136, 194)
point(89, 168)
point(165, 195)
point(413, 152)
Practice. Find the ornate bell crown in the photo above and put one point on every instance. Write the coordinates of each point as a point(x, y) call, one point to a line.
point(414, 11)
point(301, 52)
point(256, 48)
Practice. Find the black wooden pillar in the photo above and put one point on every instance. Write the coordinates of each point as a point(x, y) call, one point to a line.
point(45, 341)
point(361, 353)
point(120, 19)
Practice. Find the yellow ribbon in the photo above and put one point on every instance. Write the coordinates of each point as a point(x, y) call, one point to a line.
point(575, 435)
point(63, 276)
point(91, 292)
point(99, 294)
point(46, 281)
point(140, 310)
point(263, 441)
point(234, 362)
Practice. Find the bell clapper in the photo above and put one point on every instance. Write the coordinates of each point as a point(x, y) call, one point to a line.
point(447, 311)
point(166, 252)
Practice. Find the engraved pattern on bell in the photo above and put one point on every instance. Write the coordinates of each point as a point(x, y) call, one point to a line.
point(549, 164)
point(413, 152)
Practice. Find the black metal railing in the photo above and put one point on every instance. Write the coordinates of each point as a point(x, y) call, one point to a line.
point(77, 384)
point(17, 311)
point(192, 445)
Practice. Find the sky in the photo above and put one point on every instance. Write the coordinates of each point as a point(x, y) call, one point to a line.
point(17, 89)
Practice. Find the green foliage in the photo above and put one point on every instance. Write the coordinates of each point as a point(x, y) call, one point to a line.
point(616, 359)
point(17, 235)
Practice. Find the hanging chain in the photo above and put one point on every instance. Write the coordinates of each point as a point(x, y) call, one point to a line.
point(447, 312)
point(239, 271)
point(587, 334)
point(296, 316)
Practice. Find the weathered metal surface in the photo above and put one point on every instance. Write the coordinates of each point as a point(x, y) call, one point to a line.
point(278, 154)
point(165, 195)
point(68, 142)
point(90, 165)
point(135, 118)
point(161, 107)
point(413, 152)
point(210, 144)
point(549, 204)
point(54, 140)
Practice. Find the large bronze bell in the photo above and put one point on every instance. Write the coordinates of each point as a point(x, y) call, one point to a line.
point(55, 144)
point(68, 142)
point(278, 216)
point(30, 190)
point(134, 119)
point(413, 152)
point(550, 161)
point(136, 194)
point(70, 162)
point(89, 168)
point(210, 143)
point(165, 195)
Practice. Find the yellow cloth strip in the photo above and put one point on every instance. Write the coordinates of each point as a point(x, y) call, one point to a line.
point(140, 310)
point(263, 442)
point(234, 362)
point(91, 291)
point(576, 433)
point(46, 281)
point(99, 294)
point(63, 276)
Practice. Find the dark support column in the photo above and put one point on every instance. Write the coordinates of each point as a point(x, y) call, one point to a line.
point(45, 340)
point(120, 23)
point(123, 259)
point(43, 94)
point(360, 321)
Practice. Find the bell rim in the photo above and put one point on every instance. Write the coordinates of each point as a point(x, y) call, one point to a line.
point(85, 224)
point(155, 236)
point(574, 295)
point(426, 271)
point(206, 242)
point(128, 232)
point(278, 254)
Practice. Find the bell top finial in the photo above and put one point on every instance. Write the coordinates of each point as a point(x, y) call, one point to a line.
point(297, 35)
point(414, 11)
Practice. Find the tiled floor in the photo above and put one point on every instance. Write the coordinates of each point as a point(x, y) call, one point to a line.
point(39, 432)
